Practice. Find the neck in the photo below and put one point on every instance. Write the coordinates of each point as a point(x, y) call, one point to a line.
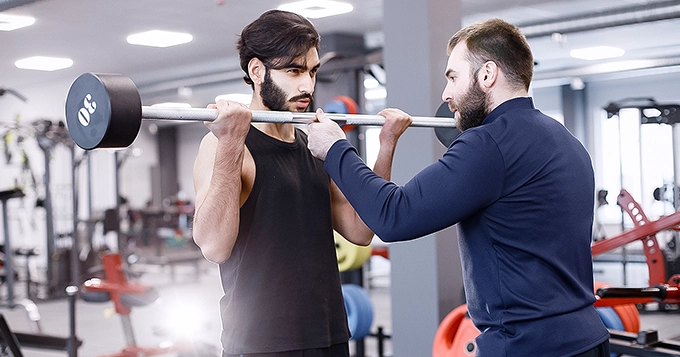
point(281, 131)
point(500, 97)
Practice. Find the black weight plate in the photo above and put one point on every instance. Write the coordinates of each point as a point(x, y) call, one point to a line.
point(446, 135)
point(103, 111)
point(88, 111)
point(126, 111)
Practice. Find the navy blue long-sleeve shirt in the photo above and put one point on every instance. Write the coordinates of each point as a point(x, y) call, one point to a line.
point(521, 188)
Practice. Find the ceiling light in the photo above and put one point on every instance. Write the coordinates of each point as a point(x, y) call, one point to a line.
point(236, 97)
point(13, 22)
point(378, 93)
point(41, 63)
point(315, 9)
point(596, 53)
point(370, 83)
point(158, 38)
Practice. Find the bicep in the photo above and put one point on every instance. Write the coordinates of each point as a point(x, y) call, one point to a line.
point(343, 214)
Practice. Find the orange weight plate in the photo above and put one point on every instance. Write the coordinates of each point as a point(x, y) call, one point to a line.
point(630, 316)
point(455, 335)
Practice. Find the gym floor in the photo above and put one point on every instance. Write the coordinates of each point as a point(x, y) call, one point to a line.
point(102, 333)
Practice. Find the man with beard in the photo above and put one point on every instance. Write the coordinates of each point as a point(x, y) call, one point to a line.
point(521, 189)
point(266, 209)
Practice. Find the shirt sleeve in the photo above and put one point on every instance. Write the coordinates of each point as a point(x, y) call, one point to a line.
point(467, 178)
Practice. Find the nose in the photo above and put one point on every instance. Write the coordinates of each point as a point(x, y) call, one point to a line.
point(306, 84)
point(447, 95)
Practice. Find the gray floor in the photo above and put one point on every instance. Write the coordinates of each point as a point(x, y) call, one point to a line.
point(102, 333)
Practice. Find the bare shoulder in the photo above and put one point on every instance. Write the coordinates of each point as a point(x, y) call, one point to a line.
point(205, 164)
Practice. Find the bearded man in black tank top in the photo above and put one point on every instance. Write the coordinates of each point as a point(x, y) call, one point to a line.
point(266, 209)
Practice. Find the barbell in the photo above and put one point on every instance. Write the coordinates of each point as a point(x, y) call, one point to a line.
point(105, 111)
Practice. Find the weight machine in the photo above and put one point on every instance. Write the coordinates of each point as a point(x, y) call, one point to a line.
point(664, 285)
point(658, 151)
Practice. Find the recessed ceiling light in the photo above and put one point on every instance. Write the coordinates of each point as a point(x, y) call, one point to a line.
point(236, 97)
point(596, 53)
point(370, 83)
point(159, 38)
point(315, 9)
point(13, 22)
point(41, 63)
point(377, 93)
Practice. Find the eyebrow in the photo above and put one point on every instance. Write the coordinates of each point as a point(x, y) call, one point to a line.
point(448, 72)
point(303, 65)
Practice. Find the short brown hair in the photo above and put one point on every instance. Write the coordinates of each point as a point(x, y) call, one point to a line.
point(501, 42)
point(276, 38)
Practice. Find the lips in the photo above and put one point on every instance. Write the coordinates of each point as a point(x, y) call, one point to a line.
point(302, 103)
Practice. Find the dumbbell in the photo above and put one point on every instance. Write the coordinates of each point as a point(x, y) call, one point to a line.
point(105, 111)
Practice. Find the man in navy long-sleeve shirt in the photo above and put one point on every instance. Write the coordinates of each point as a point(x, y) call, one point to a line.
point(521, 188)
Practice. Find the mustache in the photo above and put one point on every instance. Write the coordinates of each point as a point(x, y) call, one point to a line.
point(301, 96)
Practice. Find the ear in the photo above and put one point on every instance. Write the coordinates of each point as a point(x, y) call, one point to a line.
point(488, 74)
point(256, 70)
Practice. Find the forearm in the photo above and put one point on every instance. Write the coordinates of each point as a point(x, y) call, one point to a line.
point(440, 195)
point(346, 169)
point(359, 233)
point(383, 162)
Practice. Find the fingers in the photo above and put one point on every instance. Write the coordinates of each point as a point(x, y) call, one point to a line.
point(394, 113)
point(233, 119)
point(322, 134)
point(396, 122)
point(321, 116)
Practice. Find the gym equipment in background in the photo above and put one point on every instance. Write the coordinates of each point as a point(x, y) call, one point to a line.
point(350, 256)
point(359, 310)
point(455, 335)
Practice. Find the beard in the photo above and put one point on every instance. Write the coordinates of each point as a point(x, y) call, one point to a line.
point(472, 107)
point(275, 98)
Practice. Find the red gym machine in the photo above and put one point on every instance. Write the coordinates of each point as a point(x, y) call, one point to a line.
point(124, 295)
point(661, 287)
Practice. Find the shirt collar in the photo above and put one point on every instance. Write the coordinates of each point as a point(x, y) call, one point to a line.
point(510, 104)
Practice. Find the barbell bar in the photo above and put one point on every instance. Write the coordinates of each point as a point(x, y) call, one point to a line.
point(105, 111)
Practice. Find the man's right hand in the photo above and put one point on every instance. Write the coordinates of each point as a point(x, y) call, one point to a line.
point(233, 120)
point(322, 134)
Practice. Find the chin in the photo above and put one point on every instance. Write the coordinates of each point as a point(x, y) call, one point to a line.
point(297, 109)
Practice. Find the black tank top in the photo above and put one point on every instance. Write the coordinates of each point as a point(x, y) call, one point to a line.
point(281, 283)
